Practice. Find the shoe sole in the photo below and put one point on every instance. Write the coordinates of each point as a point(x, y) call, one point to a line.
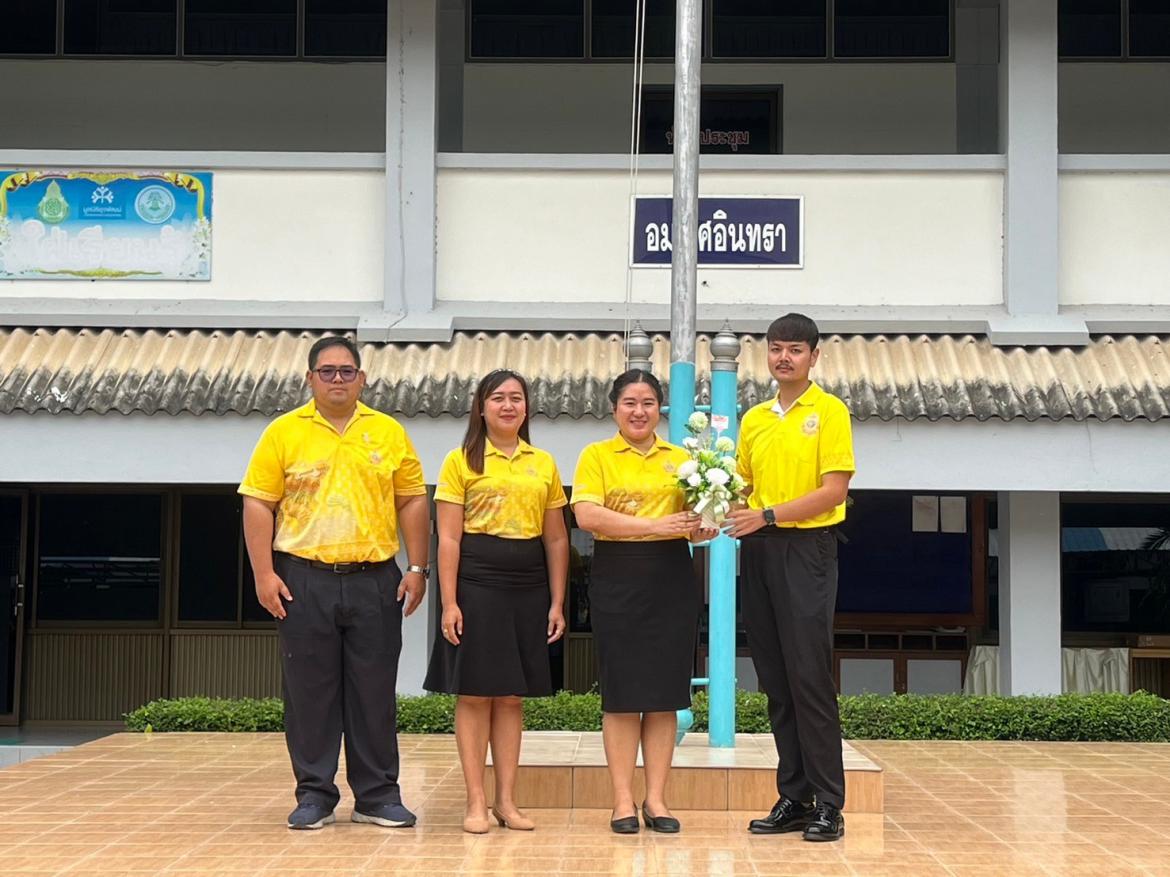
point(385, 823)
point(313, 826)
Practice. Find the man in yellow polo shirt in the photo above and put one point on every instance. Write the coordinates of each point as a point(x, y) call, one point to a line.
point(796, 453)
point(326, 491)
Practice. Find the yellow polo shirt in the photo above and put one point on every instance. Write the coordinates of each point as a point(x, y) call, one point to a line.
point(336, 491)
point(783, 456)
point(618, 476)
point(510, 497)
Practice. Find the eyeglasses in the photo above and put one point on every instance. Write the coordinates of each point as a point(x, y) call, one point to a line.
point(330, 373)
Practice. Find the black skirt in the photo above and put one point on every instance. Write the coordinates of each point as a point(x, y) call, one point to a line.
point(644, 605)
point(503, 593)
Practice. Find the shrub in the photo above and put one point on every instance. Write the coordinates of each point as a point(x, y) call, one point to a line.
point(1137, 717)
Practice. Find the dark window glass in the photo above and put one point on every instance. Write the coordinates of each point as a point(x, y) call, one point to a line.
point(527, 28)
point(886, 565)
point(253, 611)
point(99, 557)
point(241, 27)
point(120, 27)
point(209, 557)
point(1115, 566)
point(29, 27)
point(1149, 28)
point(1089, 28)
point(353, 28)
point(613, 29)
point(11, 575)
point(766, 29)
point(730, 122)
point(892, 29)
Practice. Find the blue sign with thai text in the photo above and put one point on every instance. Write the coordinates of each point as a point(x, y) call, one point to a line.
point(734, 232)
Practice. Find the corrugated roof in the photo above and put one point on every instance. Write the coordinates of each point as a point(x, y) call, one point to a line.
point(884, 377)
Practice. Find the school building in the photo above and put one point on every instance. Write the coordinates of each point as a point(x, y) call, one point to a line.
point(980, 195)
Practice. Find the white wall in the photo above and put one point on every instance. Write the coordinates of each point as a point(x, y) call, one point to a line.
point(828, 108)
point(276, 236)
point(1123, 108)
point(57, 104)
point(880, 238)
point(1113, 246)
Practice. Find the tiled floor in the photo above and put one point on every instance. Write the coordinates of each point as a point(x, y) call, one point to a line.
point(215, 804)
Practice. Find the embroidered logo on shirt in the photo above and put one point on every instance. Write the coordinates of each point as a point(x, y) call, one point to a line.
point(668, 467)
point(375, 457)
point(811, 424)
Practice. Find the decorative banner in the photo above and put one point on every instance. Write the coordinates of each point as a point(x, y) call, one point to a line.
point(105, 225)
point(734, 232)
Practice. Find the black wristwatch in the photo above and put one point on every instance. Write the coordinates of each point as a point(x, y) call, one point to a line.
point(769, 516)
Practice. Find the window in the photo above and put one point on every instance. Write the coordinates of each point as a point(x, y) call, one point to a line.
point(353, 28)
point(527, 28)
point(242, 28)
point(209, 557)
point(30, 28)
point(892, 29)
point(613, 28)
point(1089, 28)
point(99, 557)
point(765, 29)
point(120, 27)
point(1149, 28)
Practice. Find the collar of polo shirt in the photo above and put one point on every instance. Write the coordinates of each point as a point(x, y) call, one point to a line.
point(522, 447)
point(808, 397)
point(618, 444)
point(309, 410)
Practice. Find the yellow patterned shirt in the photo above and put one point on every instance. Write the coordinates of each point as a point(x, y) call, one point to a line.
point(618, 476)
point(784, 455)
point(335, 491)
point(511, 496)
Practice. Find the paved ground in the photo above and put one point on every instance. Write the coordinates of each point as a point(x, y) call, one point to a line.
point(216, 803)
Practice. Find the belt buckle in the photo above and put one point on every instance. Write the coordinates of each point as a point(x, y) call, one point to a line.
point(341, 568)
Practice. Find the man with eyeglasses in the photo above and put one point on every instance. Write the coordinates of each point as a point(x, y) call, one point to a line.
point(328, 486)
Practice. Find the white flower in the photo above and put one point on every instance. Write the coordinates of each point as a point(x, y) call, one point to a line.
point(724, 444)
point(690, 443)
point(697, 422)
point(694, 479)
point(717, 477)
point(687, 469)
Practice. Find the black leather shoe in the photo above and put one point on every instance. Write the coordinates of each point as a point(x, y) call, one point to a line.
point(786, 815)
point(625, 825)
point(827, 823)
point(662, 824)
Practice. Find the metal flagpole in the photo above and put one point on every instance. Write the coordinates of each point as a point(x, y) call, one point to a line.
point(685, 215)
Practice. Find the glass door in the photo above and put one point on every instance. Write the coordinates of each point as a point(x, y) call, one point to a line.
point(13, 518)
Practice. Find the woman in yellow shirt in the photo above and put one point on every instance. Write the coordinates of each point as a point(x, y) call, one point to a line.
point(644, 598)
point(503, 560)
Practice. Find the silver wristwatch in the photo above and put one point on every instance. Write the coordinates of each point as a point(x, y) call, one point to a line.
point(423, 571)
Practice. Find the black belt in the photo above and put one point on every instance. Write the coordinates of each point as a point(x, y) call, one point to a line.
point(340, 569)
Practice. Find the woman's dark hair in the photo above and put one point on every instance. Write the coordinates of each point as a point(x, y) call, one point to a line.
point(634, 376)
point(475, 439)
point(333, 341)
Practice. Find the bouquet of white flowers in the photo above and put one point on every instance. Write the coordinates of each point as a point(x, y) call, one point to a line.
point(708, 478)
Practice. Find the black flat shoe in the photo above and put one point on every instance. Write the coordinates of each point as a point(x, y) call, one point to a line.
point(661, 824)
point(827, 824)
point(787, 815)
point(625, 825)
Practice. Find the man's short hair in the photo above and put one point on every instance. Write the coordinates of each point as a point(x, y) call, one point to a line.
point(333, 341)
point(794, 327)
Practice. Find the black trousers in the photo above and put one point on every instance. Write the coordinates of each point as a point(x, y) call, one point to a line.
point(339, 648)
point(789, 595)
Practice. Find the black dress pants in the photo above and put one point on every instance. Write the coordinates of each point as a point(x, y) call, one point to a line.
point(789, 581)
point(339, 647)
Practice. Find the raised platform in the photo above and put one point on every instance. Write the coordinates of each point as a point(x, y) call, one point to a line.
point(566, 769)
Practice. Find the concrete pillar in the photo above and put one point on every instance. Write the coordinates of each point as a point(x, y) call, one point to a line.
point(976, 76)
point(411, 89)
point(1028, 138)
point(1029, 592)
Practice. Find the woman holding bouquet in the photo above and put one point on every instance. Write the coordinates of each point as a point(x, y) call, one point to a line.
point(644, 597)
point(503, 558)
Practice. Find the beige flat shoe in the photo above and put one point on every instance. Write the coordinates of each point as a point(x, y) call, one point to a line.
point(519, 822)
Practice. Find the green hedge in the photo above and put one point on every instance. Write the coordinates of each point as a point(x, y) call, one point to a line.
point(1137, 717)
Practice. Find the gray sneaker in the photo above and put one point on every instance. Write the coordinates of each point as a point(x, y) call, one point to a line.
point(385, 815)
point(308, 817)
